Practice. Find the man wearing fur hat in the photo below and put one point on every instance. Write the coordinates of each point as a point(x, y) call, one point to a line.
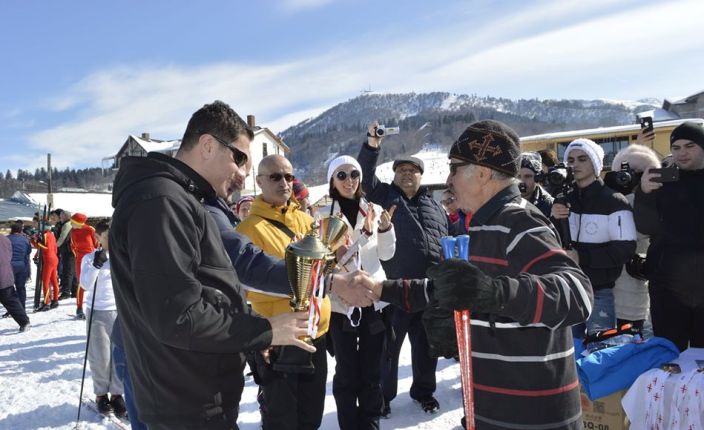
point(631, 291)
point(671, 213)
point(419, 222)
point(531, 165)
point(603, 234)
point(523, 290)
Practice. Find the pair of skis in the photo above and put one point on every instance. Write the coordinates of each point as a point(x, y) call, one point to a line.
point(458, 247)
point(120, 423)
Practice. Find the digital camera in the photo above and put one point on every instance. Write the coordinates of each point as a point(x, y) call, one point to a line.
point(625, 176)
point(383, 130)
point(624, 180)
point(558, 175)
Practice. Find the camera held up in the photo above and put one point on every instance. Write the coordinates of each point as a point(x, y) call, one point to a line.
point(383, 130)
point(561, 177)
point(624, 180)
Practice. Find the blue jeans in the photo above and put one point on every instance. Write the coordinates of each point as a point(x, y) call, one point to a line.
point(118, 357)
point(603, 315)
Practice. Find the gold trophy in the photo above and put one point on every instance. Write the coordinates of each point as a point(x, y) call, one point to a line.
point(307, 261)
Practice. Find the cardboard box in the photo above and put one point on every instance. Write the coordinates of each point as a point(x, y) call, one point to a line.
point(605, 413)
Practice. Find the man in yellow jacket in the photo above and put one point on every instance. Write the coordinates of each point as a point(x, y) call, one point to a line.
point(293, 400)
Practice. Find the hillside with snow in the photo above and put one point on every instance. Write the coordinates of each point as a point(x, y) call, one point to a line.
point(437, 119)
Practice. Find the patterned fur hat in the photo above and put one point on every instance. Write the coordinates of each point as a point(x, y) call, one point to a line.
point(491, 144)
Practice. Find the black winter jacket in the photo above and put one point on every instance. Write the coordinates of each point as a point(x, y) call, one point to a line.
point(184, 318)
point(673, 216)
point(603, 232)
point(420, 222)
point(542, 200)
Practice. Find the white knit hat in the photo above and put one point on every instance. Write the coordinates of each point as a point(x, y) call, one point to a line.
point(341, 161)
point(594, 151)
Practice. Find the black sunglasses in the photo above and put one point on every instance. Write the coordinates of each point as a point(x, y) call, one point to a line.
point(341, 175)
point(276, 177)
point(455, 166)
point(238, 156)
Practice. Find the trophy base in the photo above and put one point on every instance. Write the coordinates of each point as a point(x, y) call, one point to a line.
point(292, 359)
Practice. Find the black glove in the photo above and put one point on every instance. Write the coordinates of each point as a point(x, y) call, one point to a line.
point(99, 258)
point(439, 324)
point(636, 267)
point(461, 285)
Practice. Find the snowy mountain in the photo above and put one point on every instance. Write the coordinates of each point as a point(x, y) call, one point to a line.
point(438, 118)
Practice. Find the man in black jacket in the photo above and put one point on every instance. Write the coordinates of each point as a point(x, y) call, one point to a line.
point(530, 189)
point(420, 222)
point(672, 213)
point(185, 321)
point(602, 231)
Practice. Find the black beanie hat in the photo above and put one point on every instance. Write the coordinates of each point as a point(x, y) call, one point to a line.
point(491, 144)
point(688, 130)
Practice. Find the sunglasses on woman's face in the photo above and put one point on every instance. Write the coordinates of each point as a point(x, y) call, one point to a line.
point(276, 177)
point(342, 175)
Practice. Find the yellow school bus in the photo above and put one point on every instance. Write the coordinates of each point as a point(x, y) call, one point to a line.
point(612, 139)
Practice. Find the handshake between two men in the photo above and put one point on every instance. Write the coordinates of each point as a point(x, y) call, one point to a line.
point(452, 284)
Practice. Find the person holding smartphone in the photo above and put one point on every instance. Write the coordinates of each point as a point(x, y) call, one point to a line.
point(671, 212)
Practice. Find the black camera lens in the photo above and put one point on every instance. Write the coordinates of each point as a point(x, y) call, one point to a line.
point(557, 176)
point(623, 178)
point(379, 132)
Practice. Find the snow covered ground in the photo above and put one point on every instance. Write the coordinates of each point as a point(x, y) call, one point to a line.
point(40, 380)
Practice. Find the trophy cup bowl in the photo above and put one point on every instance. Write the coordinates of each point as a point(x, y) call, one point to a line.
point(306, 261)
point(332, 231)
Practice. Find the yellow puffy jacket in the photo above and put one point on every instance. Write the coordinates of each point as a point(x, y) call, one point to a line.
point(274, 242)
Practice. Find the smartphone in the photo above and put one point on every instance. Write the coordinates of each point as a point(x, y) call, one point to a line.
point(646, 123)
point(667, 174)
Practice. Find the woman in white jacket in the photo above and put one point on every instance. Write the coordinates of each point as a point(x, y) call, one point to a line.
point(358, 334)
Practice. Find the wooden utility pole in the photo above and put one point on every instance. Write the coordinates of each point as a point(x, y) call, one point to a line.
point(49, 195)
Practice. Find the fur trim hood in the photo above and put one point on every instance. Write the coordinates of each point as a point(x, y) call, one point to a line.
point(639, 157)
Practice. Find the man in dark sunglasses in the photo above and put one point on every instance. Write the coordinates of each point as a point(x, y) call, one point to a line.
point(177, 293)
point(293, 400)
point(239, 157)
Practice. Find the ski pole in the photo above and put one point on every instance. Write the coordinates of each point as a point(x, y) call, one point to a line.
point(463, 332)
point(85, 356)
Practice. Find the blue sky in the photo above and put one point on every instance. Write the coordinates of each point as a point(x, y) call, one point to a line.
point(77, 77)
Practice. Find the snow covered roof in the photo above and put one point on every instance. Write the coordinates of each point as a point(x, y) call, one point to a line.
point(689, 98)
point(91, 204)
point(273, 135)
point(658, 115)
point(13, 210)
point(619, 128)
point(156, 145)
